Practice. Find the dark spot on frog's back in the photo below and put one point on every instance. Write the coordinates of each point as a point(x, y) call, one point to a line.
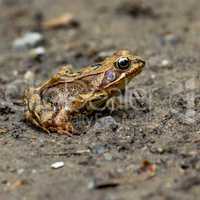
point(96, 65)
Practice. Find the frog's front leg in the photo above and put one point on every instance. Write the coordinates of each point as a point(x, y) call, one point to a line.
point(117, 102)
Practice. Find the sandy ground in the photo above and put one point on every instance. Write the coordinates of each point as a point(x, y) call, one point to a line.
point(154, 153)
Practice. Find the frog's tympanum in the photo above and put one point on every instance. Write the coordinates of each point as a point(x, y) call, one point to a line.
point(68, 93)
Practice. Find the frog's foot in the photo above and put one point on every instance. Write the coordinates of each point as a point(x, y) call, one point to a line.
point(64, 129)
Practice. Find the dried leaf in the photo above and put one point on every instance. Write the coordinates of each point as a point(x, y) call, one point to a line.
point(148, 167)
point(18, 184)
point(3, 130)
point(63, 21)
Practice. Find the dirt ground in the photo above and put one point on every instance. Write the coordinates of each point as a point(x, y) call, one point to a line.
point(154, 150)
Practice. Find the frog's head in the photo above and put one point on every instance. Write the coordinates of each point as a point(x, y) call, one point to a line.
point(120, 68)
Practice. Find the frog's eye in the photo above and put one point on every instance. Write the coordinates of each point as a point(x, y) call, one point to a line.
point(122, 63)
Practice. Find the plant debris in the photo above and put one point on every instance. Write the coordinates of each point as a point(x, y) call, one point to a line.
point(18, 184)
point(63, 21)
point(3, 131)
point(148, 168)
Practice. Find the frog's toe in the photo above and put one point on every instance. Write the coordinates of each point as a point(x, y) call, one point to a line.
point(66, 129)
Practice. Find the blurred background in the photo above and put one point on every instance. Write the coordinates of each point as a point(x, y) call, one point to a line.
point(154, 154)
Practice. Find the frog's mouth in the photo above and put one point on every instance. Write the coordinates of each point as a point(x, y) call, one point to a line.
point(137, 66)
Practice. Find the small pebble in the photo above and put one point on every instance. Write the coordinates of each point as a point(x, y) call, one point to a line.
point(140, 130)
point(92, 184)
point(34, 171)
point(108, 156)
point(97, 183)
point(99, 149)
point(15, 73)
point(29, 76)
point(57, 165)
point(165, 63)
point(15, 89)
point(20, 171)
point(28, 40)
point(106, 123)
point(38, 53)
point(170, 38)
point(153, 76)
point(160, 150)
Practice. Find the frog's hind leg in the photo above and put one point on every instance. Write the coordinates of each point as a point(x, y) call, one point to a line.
point(30, 118)
point(62, 124)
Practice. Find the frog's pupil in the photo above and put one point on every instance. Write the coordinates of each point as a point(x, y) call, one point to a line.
point(123, 62)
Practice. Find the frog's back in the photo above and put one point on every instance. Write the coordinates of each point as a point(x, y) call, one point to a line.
point(65, 92)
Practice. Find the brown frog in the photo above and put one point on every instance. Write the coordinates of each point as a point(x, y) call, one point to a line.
point(68, 93)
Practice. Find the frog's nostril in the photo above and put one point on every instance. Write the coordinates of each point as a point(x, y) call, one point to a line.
point(143, 62)
point(139, 60)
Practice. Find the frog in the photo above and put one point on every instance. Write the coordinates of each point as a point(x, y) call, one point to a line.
point(69, 92)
